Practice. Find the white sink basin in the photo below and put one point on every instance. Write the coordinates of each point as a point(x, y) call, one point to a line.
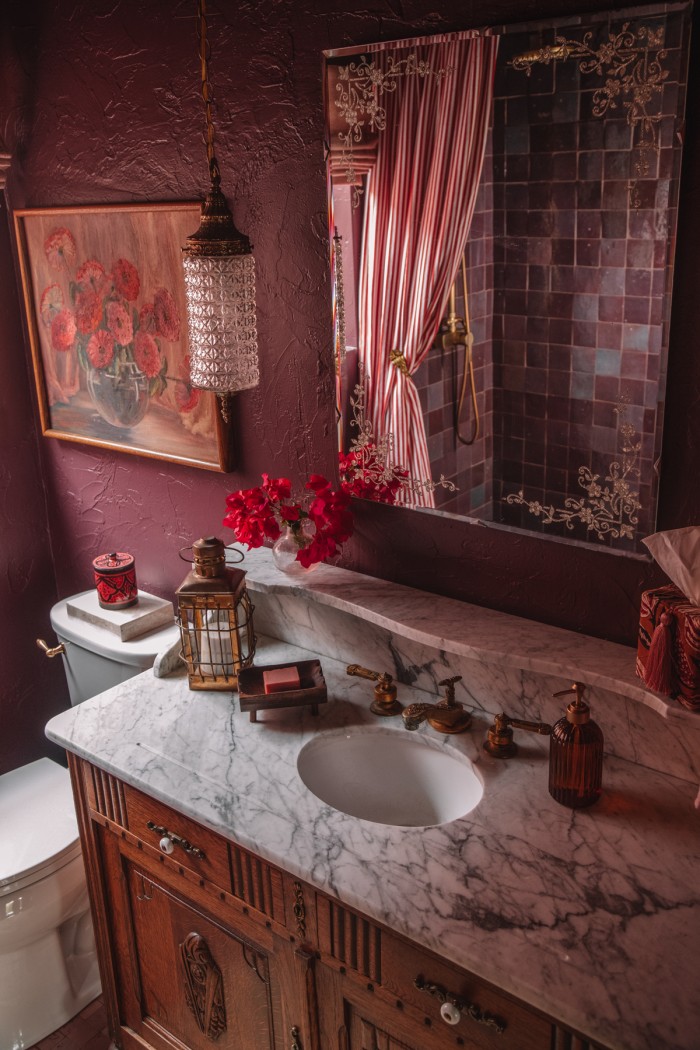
point(389, 776)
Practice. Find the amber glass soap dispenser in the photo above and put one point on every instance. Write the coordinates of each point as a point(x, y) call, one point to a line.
point(576, 754)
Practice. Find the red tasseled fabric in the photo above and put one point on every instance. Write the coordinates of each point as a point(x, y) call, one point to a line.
point(658, 673)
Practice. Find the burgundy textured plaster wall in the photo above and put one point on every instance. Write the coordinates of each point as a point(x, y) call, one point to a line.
point(100, 104)
point(33, 688)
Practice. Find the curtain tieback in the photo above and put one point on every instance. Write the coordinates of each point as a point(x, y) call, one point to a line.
point(399, 362)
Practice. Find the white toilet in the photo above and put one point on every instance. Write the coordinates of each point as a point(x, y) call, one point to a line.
point(48, 964)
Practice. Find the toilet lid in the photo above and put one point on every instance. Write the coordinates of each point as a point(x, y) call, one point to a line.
point(38, 825)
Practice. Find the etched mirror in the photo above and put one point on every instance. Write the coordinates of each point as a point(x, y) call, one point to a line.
point(503, 208)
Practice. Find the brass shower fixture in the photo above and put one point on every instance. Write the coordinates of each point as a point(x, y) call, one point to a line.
point(459, 333)
point(540, 54)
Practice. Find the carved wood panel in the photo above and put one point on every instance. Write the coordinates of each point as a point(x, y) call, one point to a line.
point(354, 941)
point(365, 1035)
point(204, 991)
point(200, 983)
point(567, 1041)
point(106, 795)
point(257, 883)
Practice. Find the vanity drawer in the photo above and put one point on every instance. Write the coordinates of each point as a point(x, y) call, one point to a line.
point(259, 886)
point(403, 964)
point(196, 848)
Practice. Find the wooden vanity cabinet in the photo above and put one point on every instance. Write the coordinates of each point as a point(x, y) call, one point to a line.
point(211, 946)
point(184, 972)
point(194, 946)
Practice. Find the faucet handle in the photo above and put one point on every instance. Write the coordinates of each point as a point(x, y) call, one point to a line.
point(499, 738)
point(575, 687)
point(385, 702)
point(449, 684)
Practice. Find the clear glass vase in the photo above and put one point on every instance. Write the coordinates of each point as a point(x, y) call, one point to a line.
point(286, 548)
point(122, 399)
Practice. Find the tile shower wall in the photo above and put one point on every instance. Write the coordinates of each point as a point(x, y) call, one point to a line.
point(581, 251)
point(439, 380)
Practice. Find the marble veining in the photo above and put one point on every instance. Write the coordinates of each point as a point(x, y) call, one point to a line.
point(507, 663)
point(591, 916)
point(462, 629)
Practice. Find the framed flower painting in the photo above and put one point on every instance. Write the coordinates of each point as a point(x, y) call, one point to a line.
point(105, 302)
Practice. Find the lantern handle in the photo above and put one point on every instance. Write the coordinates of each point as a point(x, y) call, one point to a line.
point(234, 550)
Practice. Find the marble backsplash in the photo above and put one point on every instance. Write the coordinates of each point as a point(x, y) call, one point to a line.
point(665, 739)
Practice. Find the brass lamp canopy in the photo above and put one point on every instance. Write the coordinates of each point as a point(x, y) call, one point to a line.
point(215, 615)
point(217, 234)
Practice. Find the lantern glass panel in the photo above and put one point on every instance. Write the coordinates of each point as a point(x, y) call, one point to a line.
point(217, 638)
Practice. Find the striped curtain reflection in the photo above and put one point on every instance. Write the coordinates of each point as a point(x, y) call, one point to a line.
point(419, 203)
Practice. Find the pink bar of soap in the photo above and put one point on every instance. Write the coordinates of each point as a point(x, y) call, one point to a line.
point(281, 678)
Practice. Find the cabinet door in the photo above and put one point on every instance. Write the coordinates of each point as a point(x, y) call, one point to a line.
point(352, 1019)
point(188, 976)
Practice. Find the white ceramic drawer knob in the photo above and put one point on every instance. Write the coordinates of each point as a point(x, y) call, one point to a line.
point(166, 844)
point(450, 1013)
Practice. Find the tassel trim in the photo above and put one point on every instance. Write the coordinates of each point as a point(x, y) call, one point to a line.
point(659, 665)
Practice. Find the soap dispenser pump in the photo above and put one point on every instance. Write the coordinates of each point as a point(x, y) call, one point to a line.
point(576, 754)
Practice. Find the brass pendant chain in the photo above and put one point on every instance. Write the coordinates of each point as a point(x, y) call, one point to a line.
point(214, 172)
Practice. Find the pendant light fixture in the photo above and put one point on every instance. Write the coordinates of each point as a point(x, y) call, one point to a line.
point(219, 280)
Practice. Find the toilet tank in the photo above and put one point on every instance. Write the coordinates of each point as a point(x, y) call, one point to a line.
point(95, 659)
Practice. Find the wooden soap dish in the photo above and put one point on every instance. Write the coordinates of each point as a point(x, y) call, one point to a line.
point(253, 698)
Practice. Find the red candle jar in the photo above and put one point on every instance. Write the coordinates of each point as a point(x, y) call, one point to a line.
point(115, 579)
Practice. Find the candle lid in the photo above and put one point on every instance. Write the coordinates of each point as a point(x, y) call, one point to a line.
point(117, 561)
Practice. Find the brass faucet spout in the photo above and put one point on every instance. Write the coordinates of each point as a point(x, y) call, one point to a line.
point(446, 716)
point(415, 714)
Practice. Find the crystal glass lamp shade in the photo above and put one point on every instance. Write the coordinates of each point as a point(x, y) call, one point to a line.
point(220, 295)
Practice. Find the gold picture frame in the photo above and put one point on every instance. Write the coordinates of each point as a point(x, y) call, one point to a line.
point(104, 296)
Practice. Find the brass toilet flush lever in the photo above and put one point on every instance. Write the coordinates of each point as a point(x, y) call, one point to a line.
point(385, 702)
point(51, 652)
point(499, 738)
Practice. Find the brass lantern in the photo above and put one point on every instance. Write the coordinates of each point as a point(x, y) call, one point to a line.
point(215, 614)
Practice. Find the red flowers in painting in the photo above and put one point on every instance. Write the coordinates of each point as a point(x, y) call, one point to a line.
point(91, 275)
point(126, 279)
point(94, 311)
point(186, 395)
point(100, 349)
point(147, 354)
point(51, 303)
point(63, 330)
point(60, 248)
point(119, 322)
point(257, 514)
point(166, 315)
point(88, 311)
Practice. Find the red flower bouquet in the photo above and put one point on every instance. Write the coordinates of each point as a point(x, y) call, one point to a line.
point(318, 523)
point(364, 473)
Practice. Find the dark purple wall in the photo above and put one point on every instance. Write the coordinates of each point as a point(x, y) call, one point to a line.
point(101, 104)
point(33, 688)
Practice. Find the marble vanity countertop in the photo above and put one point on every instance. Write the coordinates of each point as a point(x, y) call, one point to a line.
point(592, 915)
point(487, 635)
